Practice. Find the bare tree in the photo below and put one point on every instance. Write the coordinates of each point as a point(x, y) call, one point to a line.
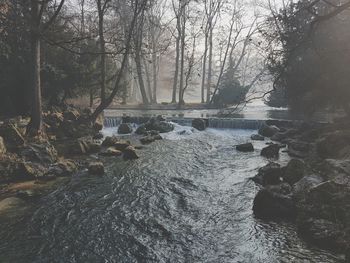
point(37, 28)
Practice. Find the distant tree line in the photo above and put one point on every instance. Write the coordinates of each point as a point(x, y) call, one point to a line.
point(310, 58)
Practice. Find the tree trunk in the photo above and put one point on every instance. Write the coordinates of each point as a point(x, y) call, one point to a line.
point(35, 125)
point(102, 49)
point(182, 66)
point(204, 71)
point(148, 79)
point(155, 69)
point(139, 76)
point(210, 62)
point(177, 59)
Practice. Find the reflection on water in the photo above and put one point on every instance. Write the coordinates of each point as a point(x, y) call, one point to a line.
point(187, 199)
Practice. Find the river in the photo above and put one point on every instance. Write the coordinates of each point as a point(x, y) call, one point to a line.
point(187, 199)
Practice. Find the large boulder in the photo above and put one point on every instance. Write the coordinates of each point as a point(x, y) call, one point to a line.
point(268, 131)
point(299, 149)
point(270, 174)
point(11, 135)
point(124, 128)
point(96, 168)
point(332, 145)
point(274, 202)
point(2, 146)
point(323, 233)
point(246, 147)
point(324, 215)
point(129, 153)
point(199, 124)
point(271, 151)
point(121, 145)
point(294, 171)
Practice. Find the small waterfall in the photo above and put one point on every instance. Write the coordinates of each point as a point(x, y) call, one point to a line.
point(223, 123)
point(230, 123)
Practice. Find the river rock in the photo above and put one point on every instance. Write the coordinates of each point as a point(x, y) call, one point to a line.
point(110, 141)
point(274, 202)
point(199, 124)
point(71, 115)
point(63, 168)
point(271, 151)
point(12, 137)
point(257, 137)
point(161, 126)
point(268, 131)
point(111, 151)
point(121, 145)
point(96, 168)
point(2, 146)
point(129, 153)
point(124, 128)
point(246, 147)
point(141, 130)
point(150, 138)
point(43, 152)
point(294, 171)
point(270, 174)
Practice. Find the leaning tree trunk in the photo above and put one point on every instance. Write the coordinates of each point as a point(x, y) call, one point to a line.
point(154, 69)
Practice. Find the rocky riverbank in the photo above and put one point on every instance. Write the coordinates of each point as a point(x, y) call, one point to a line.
point(313, 189)
point(72, 145)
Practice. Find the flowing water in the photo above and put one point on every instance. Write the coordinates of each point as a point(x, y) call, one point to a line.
point(187, 199)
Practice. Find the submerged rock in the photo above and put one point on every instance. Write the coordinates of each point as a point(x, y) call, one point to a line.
point(274, 202)
point(246, 147)
point(257, 137)
point(199, 124)
point(96, 168)
point(268, 131)
point(124, 128)
point(271, 151)
point(129, 153)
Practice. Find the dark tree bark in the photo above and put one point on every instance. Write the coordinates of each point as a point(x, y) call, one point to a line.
point(35, 125)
